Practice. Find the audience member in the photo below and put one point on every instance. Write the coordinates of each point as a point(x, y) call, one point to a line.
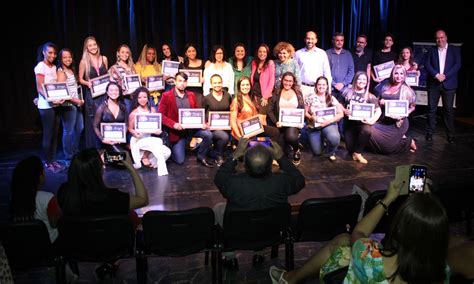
point(389, 133)
point(313, 62)
point(173, 100)
point(28, 201)
point(443, 64)
point(322, 130)
point(287, 96)
point(357, 132)
point(146, 149)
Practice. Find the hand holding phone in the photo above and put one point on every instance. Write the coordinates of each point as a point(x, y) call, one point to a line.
point(417, 178)
point(111, 157)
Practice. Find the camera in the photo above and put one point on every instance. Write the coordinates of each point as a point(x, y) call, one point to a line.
point(265, 141)
point(412, 177)
point(113, 157)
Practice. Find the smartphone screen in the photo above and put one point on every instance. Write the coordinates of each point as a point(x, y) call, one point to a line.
point(417, 178)
point(113, 157)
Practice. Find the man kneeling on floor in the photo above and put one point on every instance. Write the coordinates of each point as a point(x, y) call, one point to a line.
point(256, 188)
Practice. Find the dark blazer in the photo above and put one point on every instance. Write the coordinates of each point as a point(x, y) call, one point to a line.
point(169, 111)
point(451, 67)
point(274, 107)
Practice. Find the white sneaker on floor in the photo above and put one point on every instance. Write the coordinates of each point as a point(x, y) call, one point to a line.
point(276, 275)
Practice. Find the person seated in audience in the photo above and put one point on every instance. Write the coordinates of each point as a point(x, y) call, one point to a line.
point(173, 100)
point(258, 187)
point(414, 251)
point(146, 149)
point(112, 110)
point(323, 130)
point(389, 133)
point(28, 201)
point(357, 132)
point(218, 100)
point(146, 66)
point(289, 96)
point(244, 106)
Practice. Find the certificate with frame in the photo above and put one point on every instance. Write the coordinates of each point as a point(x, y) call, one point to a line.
point(170, 68)
point(191, 117)
point(132, 82)
point(56, 91)
point(219, 120)
point(147, 122)
point(324, 114)
point(383, 71)
point(360, 111)
point(194, 77)
point(251, 127)
point(396, 108)
point(412, 78)
point(99, 85)
point(115, 131)
point(291, 117)
point(155, 83)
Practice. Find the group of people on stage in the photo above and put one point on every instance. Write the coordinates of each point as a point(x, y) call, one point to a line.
point(310, 78)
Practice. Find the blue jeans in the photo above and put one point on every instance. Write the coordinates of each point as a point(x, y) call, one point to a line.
point(317, 137)
point(222, 138)
point(178, 151)
point(79, 127)
point(68, 118)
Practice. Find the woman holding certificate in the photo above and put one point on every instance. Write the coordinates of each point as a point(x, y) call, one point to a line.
point(288, 96)
point(244, 106)
point(92, 65)
point(362, 110)
point(217, 65)
point(123, 66)
point(397, 100)
point(262, 78)
point(192, 62)
point(112, 110)
point(147, 66)
point(323, 111)
point(147, 150)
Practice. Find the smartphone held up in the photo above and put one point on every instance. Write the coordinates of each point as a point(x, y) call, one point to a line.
point(413, 178)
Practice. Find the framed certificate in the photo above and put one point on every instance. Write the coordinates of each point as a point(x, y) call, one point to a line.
point(170, 68)
point(396, 108)
point(191, 117)
point(360, 111)
point(384, 70)
point(132, 82)
point(114, 132)
point(324, 114)
point(56, 91)
point(412, 78)
point(219, 120)
point(251, 127)
point(155, 83)
point(194, 77)
point(147, 122)
point(99, 84)
point(291, 117)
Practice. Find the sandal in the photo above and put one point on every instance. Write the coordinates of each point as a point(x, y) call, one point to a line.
point(276, 275)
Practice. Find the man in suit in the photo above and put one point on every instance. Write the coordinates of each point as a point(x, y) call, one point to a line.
point(443, 64)
point(170, 103)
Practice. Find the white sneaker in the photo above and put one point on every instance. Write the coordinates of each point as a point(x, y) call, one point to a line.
point(276, 275)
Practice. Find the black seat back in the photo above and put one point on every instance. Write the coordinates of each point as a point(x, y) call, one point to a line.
point(96, 239)
point(256, 229)
point(321, 219)
point(176, 233)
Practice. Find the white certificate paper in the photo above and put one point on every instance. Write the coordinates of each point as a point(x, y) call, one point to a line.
point(194, 77)
point(383, 71)
point(219, 120)
point(291, 117)
point(99, 84)
point(170, 68)
point(324, 114)
point(360, 111)
point(155, 83)
point(396, 108)
point(132, 82)
point(251, 127)
point(412, 78)
point(114, 132)
point(56, 91)
point(191, 117)
point(147, 122)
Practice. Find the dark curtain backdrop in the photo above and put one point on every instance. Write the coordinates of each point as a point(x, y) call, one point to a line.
point(209, 22)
